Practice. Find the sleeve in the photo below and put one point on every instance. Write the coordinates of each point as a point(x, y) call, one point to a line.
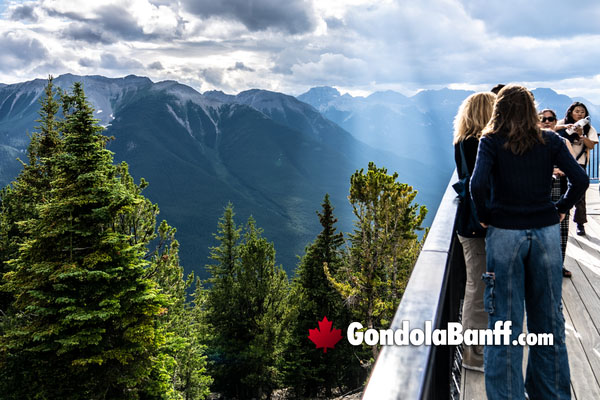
point(593, 135)
point(480, 182)
point(578, 179)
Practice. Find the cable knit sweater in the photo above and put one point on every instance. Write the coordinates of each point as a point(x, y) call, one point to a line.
point(513, 191)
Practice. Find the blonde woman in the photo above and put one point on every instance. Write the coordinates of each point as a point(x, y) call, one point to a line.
point(472, 117)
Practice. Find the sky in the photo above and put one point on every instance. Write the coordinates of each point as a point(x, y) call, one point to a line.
point(289, 46)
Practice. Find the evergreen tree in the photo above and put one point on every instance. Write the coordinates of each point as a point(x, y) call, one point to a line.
point(245, 307)
point(18, 202)
point(85, 313)
point(310, 371)
point(384, 246)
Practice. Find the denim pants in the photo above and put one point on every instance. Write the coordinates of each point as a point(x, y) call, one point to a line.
point(524, 271)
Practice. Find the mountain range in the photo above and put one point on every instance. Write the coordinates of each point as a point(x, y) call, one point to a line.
point(272, 155)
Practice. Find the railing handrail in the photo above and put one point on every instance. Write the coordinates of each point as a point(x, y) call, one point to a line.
point(403, 372)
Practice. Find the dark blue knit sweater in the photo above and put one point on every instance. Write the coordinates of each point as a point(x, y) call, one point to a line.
point(513, 191)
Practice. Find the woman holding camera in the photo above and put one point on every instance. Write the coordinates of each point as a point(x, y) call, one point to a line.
point(582, 140)
point(510, 187)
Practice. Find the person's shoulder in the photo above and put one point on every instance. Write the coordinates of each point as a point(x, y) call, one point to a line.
point(548, 133)
point(551, 136)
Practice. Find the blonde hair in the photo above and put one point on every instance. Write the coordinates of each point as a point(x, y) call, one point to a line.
point(516, 119)
point(473, 115)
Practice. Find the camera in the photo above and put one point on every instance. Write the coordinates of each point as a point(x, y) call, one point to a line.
point(579, 124)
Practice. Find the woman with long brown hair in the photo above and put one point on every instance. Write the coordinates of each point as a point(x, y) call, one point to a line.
point(473, 115)
point(510, 187)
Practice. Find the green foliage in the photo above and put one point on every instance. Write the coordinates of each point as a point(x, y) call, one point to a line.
point(245, 308)
point(18, 202)
point(179, 370)
point(308, 370)
point(93, 313)
point(384, 246)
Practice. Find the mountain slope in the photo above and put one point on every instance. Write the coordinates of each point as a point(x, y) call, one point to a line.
point(269, 154)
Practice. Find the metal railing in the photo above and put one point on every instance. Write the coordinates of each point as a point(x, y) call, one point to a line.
point(433, 293)
point(592, 168)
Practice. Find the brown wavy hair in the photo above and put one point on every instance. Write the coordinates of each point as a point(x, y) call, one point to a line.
point(473, 115)
point(515, 118)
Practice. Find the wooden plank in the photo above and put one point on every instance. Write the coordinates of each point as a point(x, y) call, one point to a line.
point(581, 298)
point(583, 382)
point(583, 328)
point(569, 332)
point(587, 293)
point(472, 385)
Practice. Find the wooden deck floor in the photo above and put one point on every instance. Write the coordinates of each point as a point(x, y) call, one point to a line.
point(581, 300)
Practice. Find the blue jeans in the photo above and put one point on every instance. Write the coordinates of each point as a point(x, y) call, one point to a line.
point(524, 270)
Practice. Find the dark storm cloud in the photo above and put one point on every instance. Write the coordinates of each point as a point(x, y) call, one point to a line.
point(118, 21)
point(18, 51)
point(24, 13)
point(88, 33)
point(292, 16)
point(110, 61)
point(240, 66)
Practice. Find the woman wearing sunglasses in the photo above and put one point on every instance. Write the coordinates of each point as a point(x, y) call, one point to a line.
point(559, 184)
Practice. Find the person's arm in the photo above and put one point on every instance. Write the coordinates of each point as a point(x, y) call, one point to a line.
point(557, 171)
point(592, 138)
point(578, 179)
point(480, 181)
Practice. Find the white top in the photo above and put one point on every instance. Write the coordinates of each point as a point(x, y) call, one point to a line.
point(578, 145)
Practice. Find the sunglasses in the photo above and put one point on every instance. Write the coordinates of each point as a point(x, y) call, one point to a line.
point(548, 119)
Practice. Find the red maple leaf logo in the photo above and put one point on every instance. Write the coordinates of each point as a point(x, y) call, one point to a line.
point(325, 336)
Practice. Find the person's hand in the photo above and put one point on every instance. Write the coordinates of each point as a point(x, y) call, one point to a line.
point(558, 172)
point(561, 216)
point(486, 225)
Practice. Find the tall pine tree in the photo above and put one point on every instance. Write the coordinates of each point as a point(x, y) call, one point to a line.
point(310, 371)
point(19, 201)
point(85, 314)
point(384, 246)
point(245, 307)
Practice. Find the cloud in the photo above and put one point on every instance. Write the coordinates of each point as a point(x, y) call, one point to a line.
point(110, 61)
point(334, 23)
point(239, 66)
point(292, 16)
point(119, 21)
point(89, 33)
point(24, 13)
point(156, 65)
point(537, 18)
point(213, 76)
point(87, 62)
point(18, 50)
point(333, 69)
